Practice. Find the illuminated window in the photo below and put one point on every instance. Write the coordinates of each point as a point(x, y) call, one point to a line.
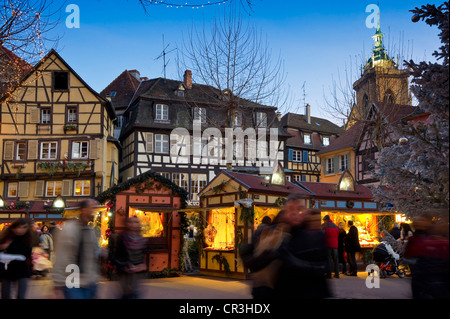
point(53, 188)
point(219, 234)
point(12, 190)
point(80, 150)
point(82, 188)
point(49, 150)
point(152, 223)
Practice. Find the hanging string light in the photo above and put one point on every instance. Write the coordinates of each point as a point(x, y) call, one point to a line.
point(182, 4)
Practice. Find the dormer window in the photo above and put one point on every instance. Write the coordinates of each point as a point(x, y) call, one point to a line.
point(162, 112)
point(261, 119)
point(307, 138)
point(325, 141)
point(180, 91)
point(112, 94)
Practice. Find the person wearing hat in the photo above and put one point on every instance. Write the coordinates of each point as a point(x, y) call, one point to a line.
point(331, 241)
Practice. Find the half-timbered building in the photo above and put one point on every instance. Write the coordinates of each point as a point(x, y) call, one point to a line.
point(161, 105)
point(55, 139)
point(309, 135)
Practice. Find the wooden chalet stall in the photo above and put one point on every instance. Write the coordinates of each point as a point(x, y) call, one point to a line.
point(233, 206)
point(346, 201)
point(155, 200)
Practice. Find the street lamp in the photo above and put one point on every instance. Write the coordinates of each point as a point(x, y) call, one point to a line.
point(59, 202)
point(2, 203)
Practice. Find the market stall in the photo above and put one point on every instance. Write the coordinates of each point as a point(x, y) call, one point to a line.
point(349, 201)
point(234, 205)
point(156, 201)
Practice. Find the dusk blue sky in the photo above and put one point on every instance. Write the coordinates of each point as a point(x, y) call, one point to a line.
point(315, 39)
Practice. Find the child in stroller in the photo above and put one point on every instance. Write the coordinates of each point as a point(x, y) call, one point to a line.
point(387, 260)
point(41, 263)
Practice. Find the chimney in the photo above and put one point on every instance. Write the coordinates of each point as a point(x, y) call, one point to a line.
point(279, 116)
point(187, 79)
point(308, 113)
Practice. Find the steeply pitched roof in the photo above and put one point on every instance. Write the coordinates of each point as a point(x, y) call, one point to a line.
point(124, 86)
point(140, 112)
point(394, 113)
point(320, 125)
point(348, 139)
point(24, 65)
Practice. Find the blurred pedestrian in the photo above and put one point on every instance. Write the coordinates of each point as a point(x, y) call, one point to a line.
point(331, 241)
point(395, 231)
point(304, 259)
point(46, 243)
point(16, 240)
point(341, 247)
point(428, 257)
point(352, 246)
point(77, 246)
point(405, 233)
point(35, 234)
point(54, 230)
point(129, 257)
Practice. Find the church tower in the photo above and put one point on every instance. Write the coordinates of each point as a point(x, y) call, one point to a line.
point(382, 81)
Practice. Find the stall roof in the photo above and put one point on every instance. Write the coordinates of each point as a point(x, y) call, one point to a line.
point(330, 190)
point(34, 207)
point(256, 183)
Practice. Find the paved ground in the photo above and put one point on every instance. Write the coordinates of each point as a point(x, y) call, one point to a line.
point(202, 287)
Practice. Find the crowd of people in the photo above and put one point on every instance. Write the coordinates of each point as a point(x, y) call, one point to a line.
point(31, 251)
point(292, 256)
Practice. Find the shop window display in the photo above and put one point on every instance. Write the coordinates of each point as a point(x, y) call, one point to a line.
point(367, 225)
point(219, 233)
point(152, 222)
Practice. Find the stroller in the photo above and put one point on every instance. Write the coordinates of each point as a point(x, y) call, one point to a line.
point(387, 260)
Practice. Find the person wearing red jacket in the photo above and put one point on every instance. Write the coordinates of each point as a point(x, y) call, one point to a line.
point(331, 241)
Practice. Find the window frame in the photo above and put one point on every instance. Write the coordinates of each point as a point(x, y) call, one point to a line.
point(49, 115)
point(201, 115)
point(8, 189)
point(343, 160)
point(41, 149)
point(162, 113)
point(297, 156)
point(259, 122)
point(16, 151)
point(80, 150)
point(82, 187)
point(54, 188)
point(304, 138)
point(54, 81)
point(161, 143)
point(323, 140)
point(329, 162)
point(68, 115)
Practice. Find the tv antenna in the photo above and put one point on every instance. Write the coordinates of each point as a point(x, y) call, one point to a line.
point(163, 55)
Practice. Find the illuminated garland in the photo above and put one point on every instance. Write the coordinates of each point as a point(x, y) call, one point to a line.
point(171, 4)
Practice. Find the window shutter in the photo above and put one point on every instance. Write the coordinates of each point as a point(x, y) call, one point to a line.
point(149, 142)
point(305, 157)
point(24, 189)
point(34, 115)
point(93, 149)
point(336, 163)
point(39, 189)
point(9, 151)
point(67, 187)
point(32, 149)
point(290, 154)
